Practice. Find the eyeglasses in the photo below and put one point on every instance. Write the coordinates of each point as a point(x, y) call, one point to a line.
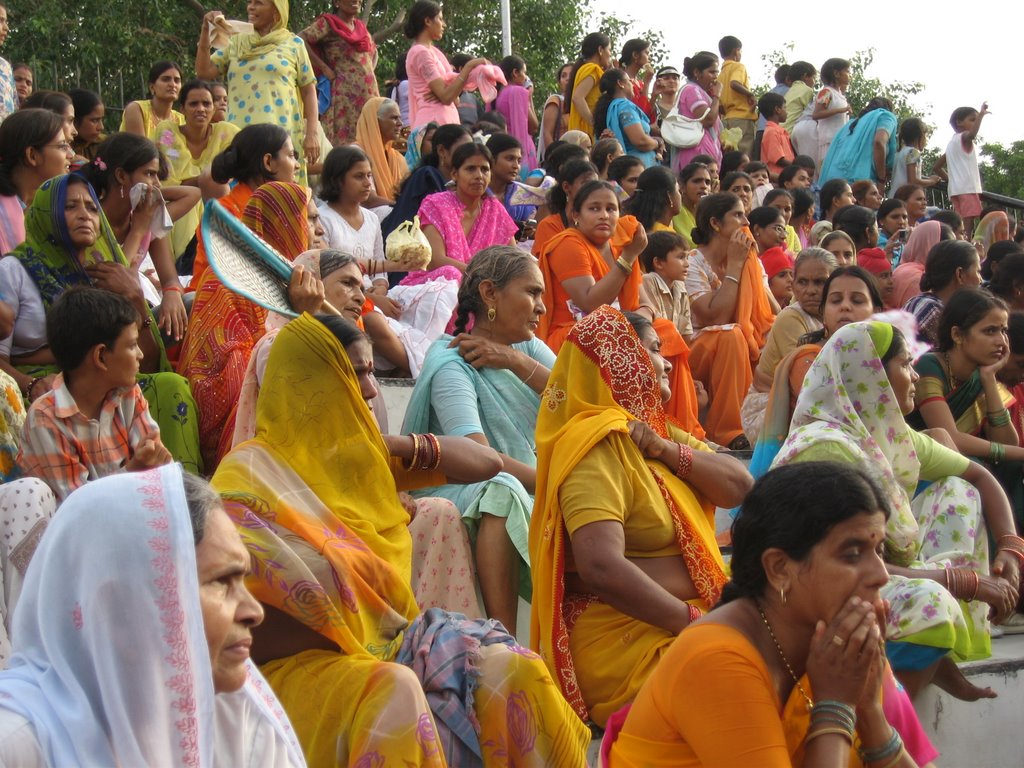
point(62, 146)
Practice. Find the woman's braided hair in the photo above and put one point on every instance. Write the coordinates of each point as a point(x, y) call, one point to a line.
point(499, 264)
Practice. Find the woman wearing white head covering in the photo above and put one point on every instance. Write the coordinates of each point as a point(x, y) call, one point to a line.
point(127, 629)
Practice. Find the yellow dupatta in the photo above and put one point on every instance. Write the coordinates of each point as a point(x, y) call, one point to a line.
point(602, 379)
point(316, 502)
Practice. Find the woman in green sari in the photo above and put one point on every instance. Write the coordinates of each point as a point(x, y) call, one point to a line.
point(45, 265)
point(485, 384)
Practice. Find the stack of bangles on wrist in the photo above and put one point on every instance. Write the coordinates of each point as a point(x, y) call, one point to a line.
point(996, 451)
point(828, 716)
point(372, 267)
point(1012, 543)
point(625, 266)
point(426, 452)
point(999, 418)
point(962, 583)
point(685, 465)
point(695, 612)
point(887, 755)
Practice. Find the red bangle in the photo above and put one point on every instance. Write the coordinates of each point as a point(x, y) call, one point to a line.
point(685, 464)
point(695, 612)
point(177, 288)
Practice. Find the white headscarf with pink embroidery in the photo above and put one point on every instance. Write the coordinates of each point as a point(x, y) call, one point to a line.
point(111, 664)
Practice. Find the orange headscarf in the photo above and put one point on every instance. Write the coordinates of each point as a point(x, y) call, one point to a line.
point(388, 165)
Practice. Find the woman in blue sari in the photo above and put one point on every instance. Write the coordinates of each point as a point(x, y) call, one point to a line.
point(852, 154)
point(616, 111)
point(485, 384)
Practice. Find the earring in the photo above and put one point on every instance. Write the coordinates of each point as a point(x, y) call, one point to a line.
point(491, 314)
point(782, 595)
point(122, 191)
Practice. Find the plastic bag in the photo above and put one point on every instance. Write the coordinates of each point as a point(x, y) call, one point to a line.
point(408, 246)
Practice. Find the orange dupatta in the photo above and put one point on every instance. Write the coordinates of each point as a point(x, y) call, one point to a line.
point(389, 167)
point(602, 379)
point(753, 312)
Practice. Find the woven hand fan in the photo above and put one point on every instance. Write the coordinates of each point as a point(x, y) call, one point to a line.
point(245, 263)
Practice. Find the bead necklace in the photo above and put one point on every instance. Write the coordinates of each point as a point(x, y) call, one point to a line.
point(810, 704)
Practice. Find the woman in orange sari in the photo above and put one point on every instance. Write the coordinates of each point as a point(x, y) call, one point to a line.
point(622, 538)
point(592, 263)
point(733, 310)
point(225, 326)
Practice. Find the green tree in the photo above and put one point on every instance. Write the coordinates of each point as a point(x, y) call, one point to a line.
point(1002, 169)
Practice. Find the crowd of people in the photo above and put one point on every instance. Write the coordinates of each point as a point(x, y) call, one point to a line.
point(652, 297)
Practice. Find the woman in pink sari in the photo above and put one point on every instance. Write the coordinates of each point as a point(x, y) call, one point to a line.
point(515, 104)
point(457, 223)
point(907, 276)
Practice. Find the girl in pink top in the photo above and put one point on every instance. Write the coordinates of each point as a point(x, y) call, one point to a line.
point(698, 100)
point(434, 86)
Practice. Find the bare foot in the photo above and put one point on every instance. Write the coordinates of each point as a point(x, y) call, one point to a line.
point(950, 679)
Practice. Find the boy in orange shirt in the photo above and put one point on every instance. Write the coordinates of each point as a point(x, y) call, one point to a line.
point(737, 100)
point(776, 148)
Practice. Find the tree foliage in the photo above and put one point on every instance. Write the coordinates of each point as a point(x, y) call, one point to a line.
point(1002, 169)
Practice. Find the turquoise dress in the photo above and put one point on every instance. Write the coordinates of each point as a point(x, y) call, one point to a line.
point(851, 157)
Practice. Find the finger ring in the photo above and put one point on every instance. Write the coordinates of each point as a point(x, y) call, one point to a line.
point(838, 640)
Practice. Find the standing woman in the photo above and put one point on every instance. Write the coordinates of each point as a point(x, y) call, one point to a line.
point(142, 117)
point(434, 87)
point(583, 92)
point(698, 100)
point(515, 104)
point(554, 118)
point(635, 60)
point(864, 149)
point(831, 109)
point(89, 114)
point(694, 184)
point(190, 148)
point(618, 113)
point(342, 49)
point(269, 77)
point(732, 312)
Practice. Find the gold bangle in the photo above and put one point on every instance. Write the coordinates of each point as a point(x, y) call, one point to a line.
point(823, 731)
point(624, 265)
point(899, 756)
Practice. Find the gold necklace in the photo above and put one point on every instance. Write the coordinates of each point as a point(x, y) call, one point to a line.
point(954, 382)
point(810, 704)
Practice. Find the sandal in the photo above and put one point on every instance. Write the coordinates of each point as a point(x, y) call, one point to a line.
point(740, 444)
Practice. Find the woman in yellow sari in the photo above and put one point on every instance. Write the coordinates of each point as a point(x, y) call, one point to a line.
point(622, 539)
point(366, 680)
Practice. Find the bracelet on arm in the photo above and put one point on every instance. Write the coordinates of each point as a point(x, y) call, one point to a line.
point(999, 418)
point(173, 288)
point(685, 464)
point(27, 391)
point(695, 612)
point(536, 365)
point(734, 279)
point(624, 265)
point(1012, 543)
point(996, 451)
point(876, 755)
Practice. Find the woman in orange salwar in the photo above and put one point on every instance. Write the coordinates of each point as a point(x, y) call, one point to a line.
point(733, 311)
point(622, 538)
point(366, 678)
point(225, 326)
